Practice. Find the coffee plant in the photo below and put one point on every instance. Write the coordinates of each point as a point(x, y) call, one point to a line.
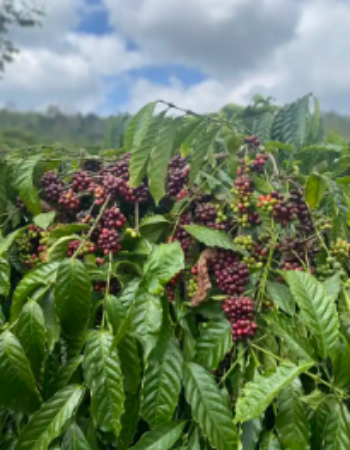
point(189, 290)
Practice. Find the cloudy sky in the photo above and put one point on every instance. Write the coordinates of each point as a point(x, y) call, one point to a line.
point(108, 56)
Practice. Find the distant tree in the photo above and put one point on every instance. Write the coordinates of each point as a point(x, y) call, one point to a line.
point(21, 13)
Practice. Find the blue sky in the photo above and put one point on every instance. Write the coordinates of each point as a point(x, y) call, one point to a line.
point(106, 56)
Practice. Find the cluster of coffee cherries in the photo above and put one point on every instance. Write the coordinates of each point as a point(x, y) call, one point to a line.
point(86, 248)
point(240, 312)
point(52, 186)
point(81, 181)
point(100, 287)
point(207, 214)
point(246, 241)
point(69, 200)
point(109, 241)
point(230, 272)
point(255, 164)
point(171, 286)
point(181, 234)
point(340, 249)
point(113, 218)
point(32, 246)
point(177, 178)
point(243, 188)
point(282, 211)
point(252, 140)
point(192, 283)
point(301, 211)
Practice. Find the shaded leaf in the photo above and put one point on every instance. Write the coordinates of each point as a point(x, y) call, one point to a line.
point(161, 386)
point(47, 424)
point(214, 342)
point(44, 220)
point(317, 308)
point(73, 296)
point(31, 333)
point(209, 408)
point(337, 429)
point(74, 439)
point(250, 434)
point(201, 149)
point(163, 437)
point(128, 350)
point(4, 276)
point(259, 393)
point(18, 390)
point(104, 378)
point(129, 421)
point(281, 296)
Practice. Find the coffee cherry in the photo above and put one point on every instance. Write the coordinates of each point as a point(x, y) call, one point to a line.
point(52, 186)
point(177, 178)
point(230, 273)
point(81, 181)
point(109, 241)
point(69, 200)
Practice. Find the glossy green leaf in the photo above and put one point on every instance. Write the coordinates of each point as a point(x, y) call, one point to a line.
point(336, 435)
point(317, 308)
point(270, 442)
point(163, 264)
point(130, 361)
point(129, 421)
point(214, 342)
point(44, 220)
point(292, 423)
point(213, 238)
point(65, 373)
point(250, 434)
point(162, 437)
point(259, 393)
point(161, 386)
point(44, 275)
point(281, 296)
point(138, 126)
point(287, 330)
point(52, 325)
point(201, 148)
point(209, 408)
point(104, 377)
point(47, 424)
point(315, 189)
point(7, 241)
point(159, 160)
point(31, 333)
point(18, 390)
point(4, 276)
point(73, 296)
point(74, 439)
point(23, 176)
point(147, 321)
point(341, 364)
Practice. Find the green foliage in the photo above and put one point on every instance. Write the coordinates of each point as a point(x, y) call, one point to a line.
point(194, 304)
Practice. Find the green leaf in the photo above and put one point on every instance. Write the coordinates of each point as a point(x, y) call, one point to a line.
point(250, 434)
point(66, 372)
point(315, 189)
point(128, 350)
point(66, 230)
point(209, 408)
point(73, 296)
point(165, 261)
point(161, 438)
point(317, 309)
point(31, 333)
point(104, 377)
point(17, 384)
point(287, 330)
point(213, 238)
point(9, 239)
point(337, 429)
point(44, 220)
point(147, 321)
point(281, 296)
point(159, 159)
point(270, 442)
point(201, 149)
point(52, 324)
point(43, 275)
point(259, 393)
point(74, 439)
point(3, 188)
point(5, 283)
point(161, 386)
point(129, 421)
point(47, 424)
point(141, 152)
point(153, 227)
point(23, 181)
point(333, 286)
point(214, 342)
point(292, 423)
point(138, 126)
point(119, 317)
point(341, 364)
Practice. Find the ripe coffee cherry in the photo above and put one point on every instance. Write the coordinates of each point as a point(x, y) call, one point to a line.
point(109, 241)
point(181, 234)
point(81, 181)
point(121, 168)
point(73, 246)
point(177, 179)
point(52, 186)
point(69, 200)
point(243, 329)
point(240, 312)
point(113, 218)
point(230, 273)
